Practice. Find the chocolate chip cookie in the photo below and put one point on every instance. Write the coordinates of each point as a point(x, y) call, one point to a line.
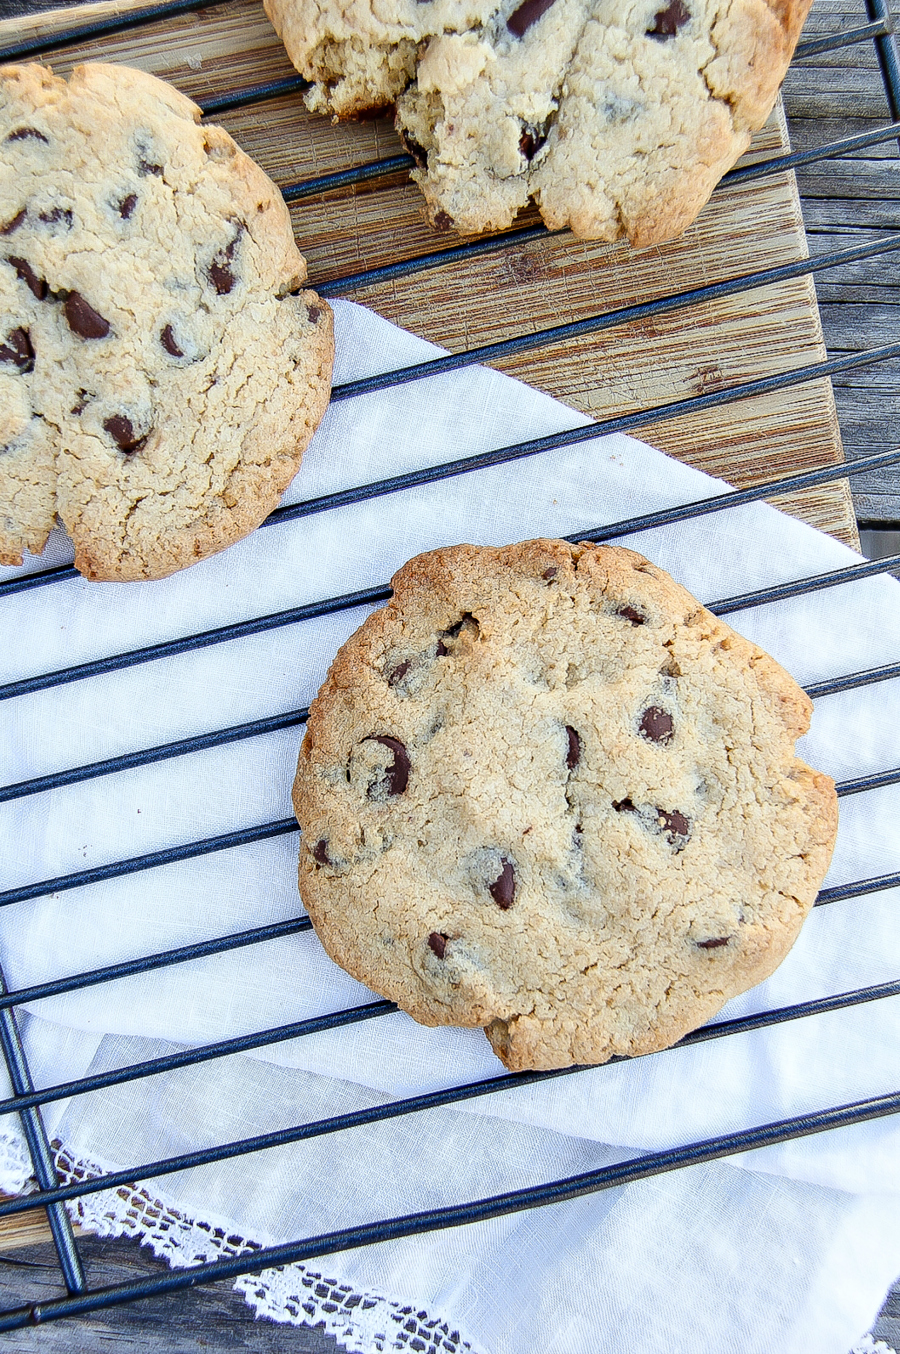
point(618, 119)
point(546, 792)
point(158, 380)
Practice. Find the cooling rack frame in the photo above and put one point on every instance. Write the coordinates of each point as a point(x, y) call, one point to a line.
point(26, 1101)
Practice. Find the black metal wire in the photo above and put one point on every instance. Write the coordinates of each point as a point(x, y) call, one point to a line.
point(293, 718)
point(595, 324)
point(26, 1101)
point(572, 437)
point(127, 760)
point(39, 1148)
point(559, 1191)
point(394, 1109)
point(101, 28)
point(380, 593)
point(125, 968)
point(151, 860)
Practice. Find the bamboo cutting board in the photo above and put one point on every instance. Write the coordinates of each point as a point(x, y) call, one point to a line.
point(526, 286)
point(529, 286)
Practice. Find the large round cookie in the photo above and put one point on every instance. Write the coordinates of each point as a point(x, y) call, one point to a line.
point(618, 118)
point(158, 383)
point(544, 791)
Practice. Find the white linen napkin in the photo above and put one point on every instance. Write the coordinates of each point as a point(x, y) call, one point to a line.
point(787, 1248)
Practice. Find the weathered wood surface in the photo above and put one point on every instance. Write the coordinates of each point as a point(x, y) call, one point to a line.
point(843, 200)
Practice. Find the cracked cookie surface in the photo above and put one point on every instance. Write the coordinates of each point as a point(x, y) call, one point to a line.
point(158, 383)
point(617, 118)
point(545, 792)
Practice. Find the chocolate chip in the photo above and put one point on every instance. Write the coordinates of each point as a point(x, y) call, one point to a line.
point(527, 14)
point(57, 214)
point(81, 403)
point(503, 889)
point(121, 430)
point(657, 725)
point(573, 755)
point(398, 771)
point(220, 272)
point(27, 134)
point(320, 853)
point(146, 167)
point(454, 632)
point(14, 223)
point(127, 205)
point(17, 350)
point(674, 825)
point(167, 339)
point(443, 221)
point(667, 22)
point(437, 943)
point(550, 573)
point(25, 273)
point(530, 142)
point(628, 613)
point(314, 313)
point(713, 944)
point(399, 672)
point(418, 153)
point(83, 319)
point(624, 806)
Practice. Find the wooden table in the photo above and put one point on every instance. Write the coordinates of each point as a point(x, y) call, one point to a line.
point(842, 201)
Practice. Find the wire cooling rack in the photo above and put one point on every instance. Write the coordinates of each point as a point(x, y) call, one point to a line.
point(26, 1102)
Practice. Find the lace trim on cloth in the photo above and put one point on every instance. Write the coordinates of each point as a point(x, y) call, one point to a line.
point(364, 1322)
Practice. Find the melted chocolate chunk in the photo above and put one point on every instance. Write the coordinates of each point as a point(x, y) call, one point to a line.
point(573, 755)
point(657, 726)
point(675, 826)
point(57, 214)
point(398, 771)
point(714, 944)
point(628, 613)
point(320, 853)
point(127, 205)
point(220, 271)
point(503, 889)
point(624, 806)
point(418, 153)
point(527, 14)
point(121, 430)
point(14, 223)
point(25, 273)
point(27, 134)
point(314, 313)
point(398, 673)
point(83, 319)
point(550, 573)
point(667, 22)
point(437, 943)
point(530, 142)
point(167, 339)
point(443, 221)
point(17, 350)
